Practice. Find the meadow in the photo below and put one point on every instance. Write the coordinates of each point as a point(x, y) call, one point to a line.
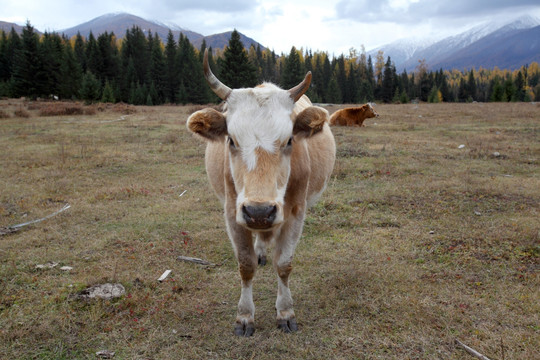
point(428, 233)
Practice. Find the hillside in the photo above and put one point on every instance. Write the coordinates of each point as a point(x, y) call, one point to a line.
point(6, 27)
point(119, 23)
point(219, 41)
point(509, 44)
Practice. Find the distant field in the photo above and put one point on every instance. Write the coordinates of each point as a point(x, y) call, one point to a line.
point(418, 241)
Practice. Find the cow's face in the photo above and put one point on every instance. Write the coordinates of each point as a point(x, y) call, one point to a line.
point(260, 133)
point(259, 143)
point(370, 111)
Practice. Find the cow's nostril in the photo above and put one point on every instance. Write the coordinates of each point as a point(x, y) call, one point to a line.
point(259, 217)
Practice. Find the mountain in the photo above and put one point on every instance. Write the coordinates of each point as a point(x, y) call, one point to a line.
point(219, 41)
point(506, 50)
point(506, 45)
point(401, 50)
point(6, 27)
point(119, 23)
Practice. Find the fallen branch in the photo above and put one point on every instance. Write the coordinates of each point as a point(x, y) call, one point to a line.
point(15, 228)
point(472, 351)
point(195, 260)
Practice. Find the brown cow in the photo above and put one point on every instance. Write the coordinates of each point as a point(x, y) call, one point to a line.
point(353, 116)
point(268, 158)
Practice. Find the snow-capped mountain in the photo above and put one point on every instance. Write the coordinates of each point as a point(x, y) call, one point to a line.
point(120, 22)
point(402, 50)
point(510, 44)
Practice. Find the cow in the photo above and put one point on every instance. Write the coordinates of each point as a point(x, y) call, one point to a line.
point(353, 116)
point(268, 157)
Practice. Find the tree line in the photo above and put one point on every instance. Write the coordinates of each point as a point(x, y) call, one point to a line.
point(140, 69)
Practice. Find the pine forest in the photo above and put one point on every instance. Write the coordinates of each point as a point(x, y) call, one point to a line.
point(140, 69)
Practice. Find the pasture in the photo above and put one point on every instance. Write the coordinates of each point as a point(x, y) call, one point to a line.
point(417, 242)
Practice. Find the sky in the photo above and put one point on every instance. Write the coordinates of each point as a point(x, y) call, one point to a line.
point(319, 25)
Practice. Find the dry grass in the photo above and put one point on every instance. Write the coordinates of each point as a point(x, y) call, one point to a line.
point(416, 242)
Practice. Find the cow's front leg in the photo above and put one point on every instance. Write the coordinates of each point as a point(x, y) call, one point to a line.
point(283, 256)
point(247, 264)
point(286, 320)
point(245, 319)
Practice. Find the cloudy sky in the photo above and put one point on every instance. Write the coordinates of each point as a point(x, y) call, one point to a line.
point(325, 25)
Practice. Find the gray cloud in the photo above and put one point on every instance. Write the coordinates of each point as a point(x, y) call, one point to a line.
point(222, 6)
point(369, 11)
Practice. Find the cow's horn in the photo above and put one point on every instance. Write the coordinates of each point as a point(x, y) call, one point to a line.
point(299, 90)
point(221, 90)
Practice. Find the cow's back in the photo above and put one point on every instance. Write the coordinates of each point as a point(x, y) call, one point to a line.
point(322, 154)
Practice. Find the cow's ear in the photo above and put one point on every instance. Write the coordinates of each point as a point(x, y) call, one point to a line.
point(208, 123)
point(310, 121)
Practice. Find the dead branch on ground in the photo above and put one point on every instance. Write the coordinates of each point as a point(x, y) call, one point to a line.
point(472, 351)
point(14, 228)
point(195, 260)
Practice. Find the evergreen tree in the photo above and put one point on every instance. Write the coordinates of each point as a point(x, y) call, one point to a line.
point(13, 46)
point(108, 67)
point(135, 49)
point(193, 86)
point(435, 95)
point(497, 91)
point(51, 53)
point(388, 83)
point(26, 65)
point(108, 93)
point(171, 72)
point(471, 87)
point(91, 53)
point(5, 71)
point(404, 98)
point(90, 88)
point(341, 78)
point(520, 87)
point(128, 84)
point(509, 91)
point(79, 51)
point(369, 86)
point(293, 73)
point(317, 82)
point(327, 75)
point(463, 93)
point(352, 85)
point(442, 84)
point(334, 93)
point(270, 72)
point(70, 74)
point(237, 71)
point(156, 71)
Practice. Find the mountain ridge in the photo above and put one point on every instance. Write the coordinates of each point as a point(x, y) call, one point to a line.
point(510, 44)
point(459, 51)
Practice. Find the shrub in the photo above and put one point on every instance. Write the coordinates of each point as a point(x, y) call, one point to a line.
point(59, 109)
point(4, 115)
point(22, 113)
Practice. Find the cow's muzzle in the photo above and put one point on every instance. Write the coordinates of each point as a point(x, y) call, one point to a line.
point(259, 217)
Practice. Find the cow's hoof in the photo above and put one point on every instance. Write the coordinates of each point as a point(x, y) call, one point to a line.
point(262, 260)
point(288, 326)
point(245, 330)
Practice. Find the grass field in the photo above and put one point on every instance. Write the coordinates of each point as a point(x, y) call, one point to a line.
point(416, 243)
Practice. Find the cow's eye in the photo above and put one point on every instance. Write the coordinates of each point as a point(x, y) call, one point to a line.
point(289, 143)
point(232, 144)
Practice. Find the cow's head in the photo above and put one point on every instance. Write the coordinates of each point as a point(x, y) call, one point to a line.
point(370, 111)
point(260, 130)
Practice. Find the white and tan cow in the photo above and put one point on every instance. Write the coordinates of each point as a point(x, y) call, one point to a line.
point(268, 158)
